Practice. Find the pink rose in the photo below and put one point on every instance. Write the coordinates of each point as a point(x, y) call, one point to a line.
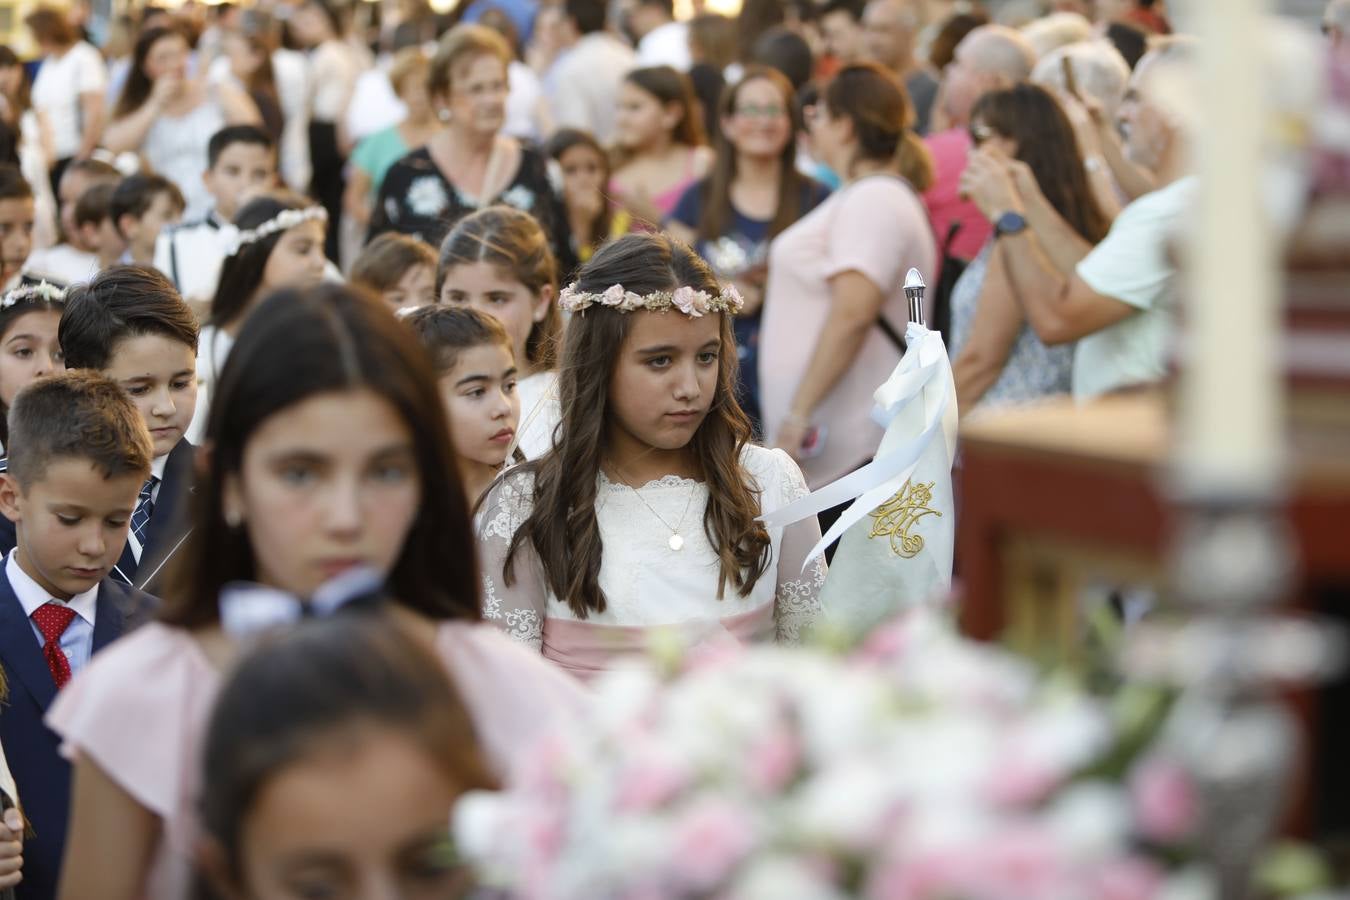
point(774, 761)
point(686, 300)
point(710, 839)
point(1164, 799)
point(733, 295)
point(613, 295)
point(648, 784)
point(1132, 878)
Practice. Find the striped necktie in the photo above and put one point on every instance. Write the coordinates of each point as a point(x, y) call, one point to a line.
point(145, 507)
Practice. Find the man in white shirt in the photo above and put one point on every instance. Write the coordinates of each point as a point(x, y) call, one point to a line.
point(661, 41)
point(1116, 299)
point(583, 84)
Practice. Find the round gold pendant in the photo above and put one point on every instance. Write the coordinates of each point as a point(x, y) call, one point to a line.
point(676, 542)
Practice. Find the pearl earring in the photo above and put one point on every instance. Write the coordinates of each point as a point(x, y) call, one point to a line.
point(233, 518)
point(443, 114)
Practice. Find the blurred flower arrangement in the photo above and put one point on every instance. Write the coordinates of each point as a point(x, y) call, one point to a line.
point(918, 765)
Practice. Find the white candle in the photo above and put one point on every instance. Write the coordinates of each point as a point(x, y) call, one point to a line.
point(1231, 418)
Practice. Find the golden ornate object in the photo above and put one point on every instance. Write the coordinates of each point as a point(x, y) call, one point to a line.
point(896, 518)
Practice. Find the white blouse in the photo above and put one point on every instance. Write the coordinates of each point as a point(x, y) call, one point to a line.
point(646, 583)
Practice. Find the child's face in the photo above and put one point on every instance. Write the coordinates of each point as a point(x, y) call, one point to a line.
point(487, 289)
point(28, 351)
point(665, 378)
point(297, 261)
point(162, 213)
point(72, 185)
point(365, 814)
point(642, 119)
point(480, 397)
point(583, 170)
point(103, 239)
point(159, 374)
point(71, 523)
point(325, 485)
point(416, 288)
point(16, 235)
point(241, 171)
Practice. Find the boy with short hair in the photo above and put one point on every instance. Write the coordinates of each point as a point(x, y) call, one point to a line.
point(17, 212)
point(241, 161)
point(71, 261)
point(132, 326)
point(95, 229)
point(142, 207)
point(80, 454)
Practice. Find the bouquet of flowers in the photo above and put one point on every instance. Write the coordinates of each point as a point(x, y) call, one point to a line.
point(917, 765)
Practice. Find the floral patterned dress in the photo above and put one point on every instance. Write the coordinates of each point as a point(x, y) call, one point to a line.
point(417, 199)
point(649, 585)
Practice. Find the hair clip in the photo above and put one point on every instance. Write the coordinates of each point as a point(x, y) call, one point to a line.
point(247, 609)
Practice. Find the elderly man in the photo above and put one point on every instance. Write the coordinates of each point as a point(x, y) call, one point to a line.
point(889, 28)
point(989, 58)
point(1115, 299)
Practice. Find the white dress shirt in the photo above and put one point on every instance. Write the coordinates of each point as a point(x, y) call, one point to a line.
point(78, 641)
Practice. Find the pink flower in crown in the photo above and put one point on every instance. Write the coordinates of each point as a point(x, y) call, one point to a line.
point(613, 295)
point(1165, 801)
point(734, 296)
point(686, 300)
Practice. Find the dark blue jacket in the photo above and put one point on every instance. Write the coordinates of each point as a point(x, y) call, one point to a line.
point(31, 748)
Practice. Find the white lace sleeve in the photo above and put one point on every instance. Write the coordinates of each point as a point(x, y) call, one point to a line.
point(518, 608)
point(797, 600)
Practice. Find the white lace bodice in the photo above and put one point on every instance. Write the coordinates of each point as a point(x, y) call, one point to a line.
point(645, 582)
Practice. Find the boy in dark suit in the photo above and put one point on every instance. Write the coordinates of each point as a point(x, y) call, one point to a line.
point(130, 324)
point(81, 453)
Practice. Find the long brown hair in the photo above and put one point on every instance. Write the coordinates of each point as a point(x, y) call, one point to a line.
point(668, 86)
point(876, 102)
point(717, 186)
point(298, 345)
point(1030, 115)
point(513, 241)
point(562, 528)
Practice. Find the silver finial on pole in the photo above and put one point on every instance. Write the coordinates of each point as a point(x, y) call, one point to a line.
point(914, 288)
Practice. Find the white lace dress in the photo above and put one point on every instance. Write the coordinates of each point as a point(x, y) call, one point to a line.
point(648, 586)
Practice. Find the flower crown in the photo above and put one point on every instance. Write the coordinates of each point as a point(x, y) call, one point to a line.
point(691, 302)
point(28, 293)
point(285, 220)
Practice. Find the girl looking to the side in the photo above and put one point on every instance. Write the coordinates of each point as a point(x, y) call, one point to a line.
point(644, 514)
point(473, 356)
point(498, 261)
point(29, 349)
point(327, 449)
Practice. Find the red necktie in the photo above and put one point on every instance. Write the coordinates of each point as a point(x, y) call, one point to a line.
point(52, 620)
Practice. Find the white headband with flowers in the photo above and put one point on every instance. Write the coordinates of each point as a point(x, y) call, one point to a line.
point(30, 292)
point(285, 220)
point(691, 302)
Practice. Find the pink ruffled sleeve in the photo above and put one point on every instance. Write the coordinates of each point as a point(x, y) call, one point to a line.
point(515, 695)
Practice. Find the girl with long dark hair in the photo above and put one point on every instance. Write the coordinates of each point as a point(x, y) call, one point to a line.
point(997, 357)
point(753, 193)
point(644, 514)
point(327, 451)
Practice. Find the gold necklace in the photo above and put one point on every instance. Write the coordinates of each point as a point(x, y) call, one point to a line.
point(676, 540)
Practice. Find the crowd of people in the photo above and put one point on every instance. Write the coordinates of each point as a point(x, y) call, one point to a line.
point(499, 330)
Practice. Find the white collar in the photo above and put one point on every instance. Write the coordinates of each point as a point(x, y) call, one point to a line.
point(158, 465)
point(33, 596)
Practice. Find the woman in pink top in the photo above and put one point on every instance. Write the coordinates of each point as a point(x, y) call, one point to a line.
point(328, 450)
point(840, 269)
point(660, 149)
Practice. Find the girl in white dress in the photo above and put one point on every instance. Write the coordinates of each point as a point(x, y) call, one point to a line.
point(498, 261)
point(644, 515)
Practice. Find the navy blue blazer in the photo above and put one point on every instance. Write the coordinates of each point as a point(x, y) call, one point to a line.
point(165, 533)
point(32, 749)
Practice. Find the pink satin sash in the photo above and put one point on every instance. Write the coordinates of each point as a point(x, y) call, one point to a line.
point(585, 649)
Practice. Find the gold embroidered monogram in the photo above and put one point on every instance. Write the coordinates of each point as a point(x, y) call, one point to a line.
point(898, 516)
